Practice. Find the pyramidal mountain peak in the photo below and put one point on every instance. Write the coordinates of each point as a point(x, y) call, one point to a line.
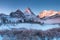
point(19, 11)
point(28, 10)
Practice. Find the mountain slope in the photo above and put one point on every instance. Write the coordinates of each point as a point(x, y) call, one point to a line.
point(30, 16)
point(19, 17)
point(50, 17)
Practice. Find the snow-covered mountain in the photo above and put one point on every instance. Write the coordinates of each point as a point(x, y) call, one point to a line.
point(24, 26)
point(45, 17)
point(48, 13)
point(30, 16)
point(50, 17)
point(19, 17)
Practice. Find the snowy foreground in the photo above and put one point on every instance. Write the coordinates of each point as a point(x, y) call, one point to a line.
point(27, 31)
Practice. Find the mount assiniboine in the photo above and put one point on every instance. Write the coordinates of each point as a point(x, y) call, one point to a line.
point(44, 17)
point(26, 25)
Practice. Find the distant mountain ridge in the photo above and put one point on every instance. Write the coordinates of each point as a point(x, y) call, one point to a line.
point(45, 17)
point(49, 13)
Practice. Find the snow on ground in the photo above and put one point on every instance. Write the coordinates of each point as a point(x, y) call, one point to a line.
point(1, 37)
point(28, 26)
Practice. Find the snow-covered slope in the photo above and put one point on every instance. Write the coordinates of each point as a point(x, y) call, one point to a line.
point(52, 21)
point(28, 26)
point(29, 31)
point(50, 17)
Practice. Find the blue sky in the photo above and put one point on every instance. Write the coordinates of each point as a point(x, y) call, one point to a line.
point(7, 6)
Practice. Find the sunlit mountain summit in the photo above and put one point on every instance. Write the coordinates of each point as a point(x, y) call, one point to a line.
point(48, 13)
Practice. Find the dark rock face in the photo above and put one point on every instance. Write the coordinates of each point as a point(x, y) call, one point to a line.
point(24, 34)
point(18, 14)
point(3, 18)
